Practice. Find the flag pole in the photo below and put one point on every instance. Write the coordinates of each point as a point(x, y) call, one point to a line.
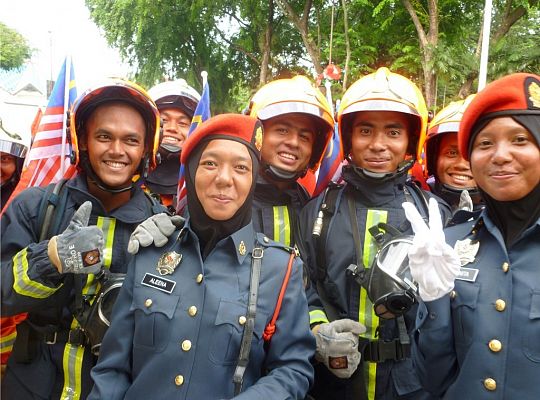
point(328, 86)
point(482, 74)
point(67, 81)
point(204, 75)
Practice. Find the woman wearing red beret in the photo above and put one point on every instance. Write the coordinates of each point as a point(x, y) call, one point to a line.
point(478, 329)
point(194, 318)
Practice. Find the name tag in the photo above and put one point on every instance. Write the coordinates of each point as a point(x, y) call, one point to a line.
point(467, 274)
point(158, 283)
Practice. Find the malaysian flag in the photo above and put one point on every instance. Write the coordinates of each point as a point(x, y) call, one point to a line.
point(202, 113)
point(330, 169)
point(48, 159)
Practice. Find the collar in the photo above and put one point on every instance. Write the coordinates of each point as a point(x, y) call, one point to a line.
point(135, 211)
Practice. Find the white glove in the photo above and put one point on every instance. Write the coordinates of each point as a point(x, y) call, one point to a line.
point(465, 201)
point(434, 264)
point(155, 230)
point(337, 346)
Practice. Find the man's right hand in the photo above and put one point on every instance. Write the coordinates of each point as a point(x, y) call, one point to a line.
point(337, 346)
point(79, 249)
point(155, 230)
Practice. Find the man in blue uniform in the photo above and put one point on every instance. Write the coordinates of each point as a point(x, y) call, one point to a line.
point(381, 120)
point(114, 130)
point(478, 329)
point(298, 123)
point(192, 318)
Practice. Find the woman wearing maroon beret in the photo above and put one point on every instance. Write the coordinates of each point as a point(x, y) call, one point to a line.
point(219, 312)
point(478, 328)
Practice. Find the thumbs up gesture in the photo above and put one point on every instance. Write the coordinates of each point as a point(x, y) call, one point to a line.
point(79, 249)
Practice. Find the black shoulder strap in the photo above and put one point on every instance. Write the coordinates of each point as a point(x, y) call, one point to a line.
point(417, 196)
point(50, 201)
point(156, 206)
point(249, 327)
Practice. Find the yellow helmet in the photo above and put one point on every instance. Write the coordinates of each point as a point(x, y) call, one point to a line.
point(115, 89)
point(383, 91)
point(445, 121)
point(296, 95)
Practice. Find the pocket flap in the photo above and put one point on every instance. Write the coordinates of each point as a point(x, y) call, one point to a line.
point(150, 301)
point(534, 313)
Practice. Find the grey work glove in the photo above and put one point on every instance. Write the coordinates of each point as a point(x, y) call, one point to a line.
point(465, 201)
point(79, 249)
point(337, 346)
point(156, 230)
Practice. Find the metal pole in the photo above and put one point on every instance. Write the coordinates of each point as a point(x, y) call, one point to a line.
point(482, 75)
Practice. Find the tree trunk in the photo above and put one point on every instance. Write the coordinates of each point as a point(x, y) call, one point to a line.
point(263, 76)
point(302, 25)
point(347, 45)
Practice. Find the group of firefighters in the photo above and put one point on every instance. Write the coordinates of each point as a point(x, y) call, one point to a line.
point(380, 287)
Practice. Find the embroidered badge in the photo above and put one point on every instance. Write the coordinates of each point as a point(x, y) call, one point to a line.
point(168, 262)
point(466, 250)
point(156, 282)
point(242, 248)
point(534, 94)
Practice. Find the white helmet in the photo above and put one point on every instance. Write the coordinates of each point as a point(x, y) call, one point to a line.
point(175, 94)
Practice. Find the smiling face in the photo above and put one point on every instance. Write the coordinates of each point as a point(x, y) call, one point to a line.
point(452, 169)
point(223, 178)
point(288, 142)
point(505, 160)
point(379, 140)
point(114, 139)
point(175, 126)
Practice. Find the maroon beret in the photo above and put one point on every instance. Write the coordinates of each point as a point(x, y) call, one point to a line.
point(512, 95)
point(238, 127)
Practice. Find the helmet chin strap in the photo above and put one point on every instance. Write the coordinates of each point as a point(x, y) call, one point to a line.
point(402, 169)
point(87, 168)
point(281, 175)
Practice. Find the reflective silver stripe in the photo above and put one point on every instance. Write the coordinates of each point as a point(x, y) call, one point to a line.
point(22, 284)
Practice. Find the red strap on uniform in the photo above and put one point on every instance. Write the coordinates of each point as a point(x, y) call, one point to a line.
point(271, 327)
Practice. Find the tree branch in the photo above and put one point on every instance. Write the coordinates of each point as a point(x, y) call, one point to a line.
point(239, 48)
point(417, 24)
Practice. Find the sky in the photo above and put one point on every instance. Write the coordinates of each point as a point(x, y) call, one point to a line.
point(58, 28)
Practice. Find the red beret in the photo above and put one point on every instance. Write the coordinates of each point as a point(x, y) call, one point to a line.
point(238, 127)
point(516, 94)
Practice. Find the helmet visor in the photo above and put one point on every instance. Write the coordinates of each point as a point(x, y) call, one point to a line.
point(15, 149)
point(289, 107)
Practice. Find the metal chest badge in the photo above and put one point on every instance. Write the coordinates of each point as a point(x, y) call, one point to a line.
point(168, 262)
point(466, 250)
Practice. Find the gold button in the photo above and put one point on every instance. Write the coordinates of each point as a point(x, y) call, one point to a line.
point(495, 345)
point(242, 320)
point(148, 303)
point(265, 239)
point(192, 311)
point(500, 305)
point(490, 384)
point(179, 380)
point(453, 294)
point(199, 278)
point(505, 266)
point(186, 345)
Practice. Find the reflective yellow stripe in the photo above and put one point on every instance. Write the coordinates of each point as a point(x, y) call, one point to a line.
point(282, 226)
point(22, 283)
point(366, 316)
point(6, 342)
point(73, 355)
point(72, 365)
point(317, 316)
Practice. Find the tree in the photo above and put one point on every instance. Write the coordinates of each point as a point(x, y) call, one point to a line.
point(14, 48)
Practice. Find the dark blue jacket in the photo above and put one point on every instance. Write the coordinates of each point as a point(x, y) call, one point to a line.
point(482, 341)
point(30, 283)
point(184, 342)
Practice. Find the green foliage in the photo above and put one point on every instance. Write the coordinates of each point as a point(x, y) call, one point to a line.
point(14, 49)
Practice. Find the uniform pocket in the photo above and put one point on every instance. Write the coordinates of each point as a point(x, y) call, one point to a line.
point(228, 331)
point(463, 310)
point(531, 332)
point(153, 312)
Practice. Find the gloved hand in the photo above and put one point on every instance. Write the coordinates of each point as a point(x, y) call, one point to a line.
point(79, 249)
point(337, 346)
point(156, 230)
point(434, 264)
point(465, 201)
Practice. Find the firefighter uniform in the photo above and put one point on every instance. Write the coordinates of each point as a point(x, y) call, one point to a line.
point(31, 283)
point(275, 212)
point(388, 378)
point(178, 335)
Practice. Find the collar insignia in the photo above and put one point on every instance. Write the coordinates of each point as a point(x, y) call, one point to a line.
point(242, 248)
